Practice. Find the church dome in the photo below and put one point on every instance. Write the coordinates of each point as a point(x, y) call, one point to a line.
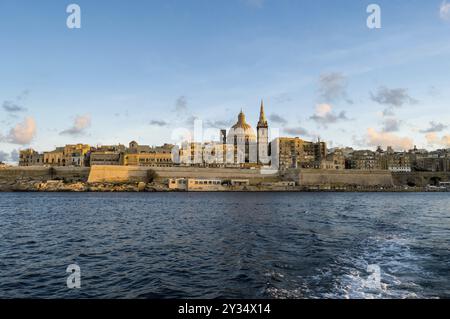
point(242, 129)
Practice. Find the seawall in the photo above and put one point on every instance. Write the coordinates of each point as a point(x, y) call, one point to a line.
point(118, 174)
point(420, 179)
point(319, 177)
point(38, 173)
point(312, 178)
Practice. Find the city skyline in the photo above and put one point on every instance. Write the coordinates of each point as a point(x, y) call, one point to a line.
point(320, 70)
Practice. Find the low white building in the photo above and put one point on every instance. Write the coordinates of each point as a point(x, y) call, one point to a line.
point(194, 184)
point(399, 168)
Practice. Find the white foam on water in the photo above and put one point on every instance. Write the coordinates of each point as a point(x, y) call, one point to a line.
point(395, 260)
point(388, 259)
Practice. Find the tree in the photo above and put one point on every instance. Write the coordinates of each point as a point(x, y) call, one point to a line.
point(151, 175)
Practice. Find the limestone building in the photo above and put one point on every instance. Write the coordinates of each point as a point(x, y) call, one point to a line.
point(242, 136)
point(75, 155)
point(55, 157)
point(30, 157)
point(240, 147)
point(365, 160)
point(144, 155)
point(294, 152)
point(107, 155)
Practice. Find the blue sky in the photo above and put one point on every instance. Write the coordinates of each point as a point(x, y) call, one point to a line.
point(139, 69)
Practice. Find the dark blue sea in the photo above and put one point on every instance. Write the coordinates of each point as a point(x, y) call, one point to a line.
point(225, 245)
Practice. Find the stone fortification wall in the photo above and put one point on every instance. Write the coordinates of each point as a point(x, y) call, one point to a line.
point(39, 173)
point(117, 174)
point(343, 178)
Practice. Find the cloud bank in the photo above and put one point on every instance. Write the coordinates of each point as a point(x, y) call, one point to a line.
point(433, 140)
point(385, 139)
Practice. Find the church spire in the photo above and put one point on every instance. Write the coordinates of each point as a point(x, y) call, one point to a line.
point(262, 116)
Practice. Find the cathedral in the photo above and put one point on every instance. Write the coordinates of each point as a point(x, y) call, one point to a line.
point(240, 146)
point(250, 148)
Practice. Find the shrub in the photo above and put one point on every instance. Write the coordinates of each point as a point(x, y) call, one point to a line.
point(151, 175)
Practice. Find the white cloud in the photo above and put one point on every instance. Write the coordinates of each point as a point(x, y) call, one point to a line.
point(445, 140)
point(23, 133)
point(322, 110)
point(324, 115)
point(444, 11)
point(386, 139)
point(81, 123)
point(434, 140)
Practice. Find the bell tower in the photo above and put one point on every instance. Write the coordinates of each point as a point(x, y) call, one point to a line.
point(263, 137)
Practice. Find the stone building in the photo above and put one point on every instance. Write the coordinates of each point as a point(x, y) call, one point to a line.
point(334, 160)
point(105, 158)
point(135, 148)
point(243, 138)
point(155, 159)
point(296, 153)
point(144, 155)
point(75, 155)
point(435, 161)
point(106, 155)
point(55, 157)
point(393, 161)
point(69, 155)
point(209, 154)
point(241, 147)
point(362, 160)
point(30, 157)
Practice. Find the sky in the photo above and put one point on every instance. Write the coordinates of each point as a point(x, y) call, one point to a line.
point(144, 69)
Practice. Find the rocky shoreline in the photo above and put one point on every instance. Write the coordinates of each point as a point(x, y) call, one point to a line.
point(79, 186)
point(61, 186)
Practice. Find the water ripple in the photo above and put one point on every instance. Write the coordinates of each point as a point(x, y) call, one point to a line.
point(249, 245)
